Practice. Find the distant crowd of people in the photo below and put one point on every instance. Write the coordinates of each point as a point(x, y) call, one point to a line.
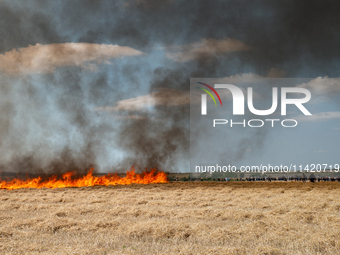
point(303, 178)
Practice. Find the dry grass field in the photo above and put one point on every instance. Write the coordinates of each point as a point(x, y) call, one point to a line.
point(174, 218)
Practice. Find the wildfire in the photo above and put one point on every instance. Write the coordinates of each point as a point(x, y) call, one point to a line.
point(88, 180)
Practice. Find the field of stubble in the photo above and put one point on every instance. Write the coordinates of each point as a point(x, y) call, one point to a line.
point(174, 218)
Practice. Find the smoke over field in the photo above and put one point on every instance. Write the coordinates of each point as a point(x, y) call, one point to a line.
point(107, 84)
point(174, 218)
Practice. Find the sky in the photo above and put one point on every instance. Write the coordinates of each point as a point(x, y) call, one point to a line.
point(106, 83)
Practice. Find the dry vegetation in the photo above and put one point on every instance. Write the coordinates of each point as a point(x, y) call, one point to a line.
point(175, 218)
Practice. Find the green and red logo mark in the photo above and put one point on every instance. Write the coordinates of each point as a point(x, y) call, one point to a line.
point(208, 92)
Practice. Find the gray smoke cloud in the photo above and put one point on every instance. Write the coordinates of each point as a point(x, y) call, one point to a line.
point(71, 98)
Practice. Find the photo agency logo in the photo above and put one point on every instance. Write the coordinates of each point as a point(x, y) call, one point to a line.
point(238, 109)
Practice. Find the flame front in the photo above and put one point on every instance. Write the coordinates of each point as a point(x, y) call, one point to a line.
point(88, 180)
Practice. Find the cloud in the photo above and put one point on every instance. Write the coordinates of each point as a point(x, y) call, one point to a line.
point(321, 151)
point(322, 88)
point(45, 58)
point(242, 77)
point(174, 97)
point(250, 77)
point(205, 48)
point(164, 97)
point(323, 85)
point(319, 116)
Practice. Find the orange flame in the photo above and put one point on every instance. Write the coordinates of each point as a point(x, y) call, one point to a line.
point(87, 180)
